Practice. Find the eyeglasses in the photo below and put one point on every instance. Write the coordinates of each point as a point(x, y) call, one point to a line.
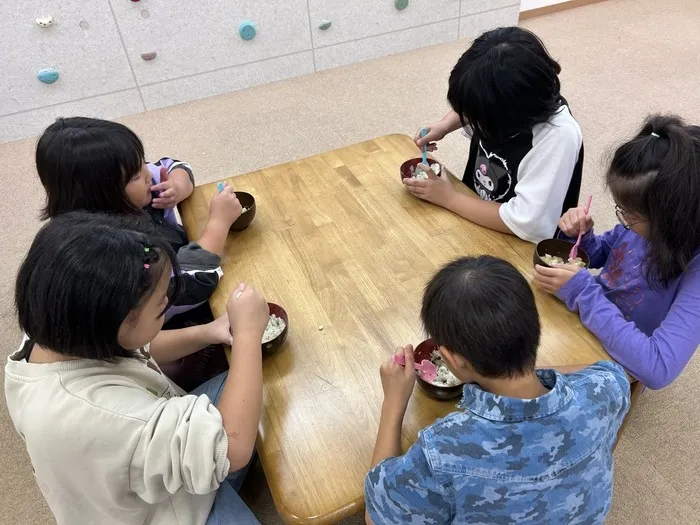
point(621, 217)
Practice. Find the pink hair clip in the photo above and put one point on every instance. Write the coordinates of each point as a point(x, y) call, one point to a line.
point(147, 266)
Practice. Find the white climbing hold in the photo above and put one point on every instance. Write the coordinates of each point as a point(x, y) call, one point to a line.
point(45, 21)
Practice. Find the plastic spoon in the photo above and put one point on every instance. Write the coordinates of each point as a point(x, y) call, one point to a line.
point(574, 251)
point(423, 133)
point(427, 369)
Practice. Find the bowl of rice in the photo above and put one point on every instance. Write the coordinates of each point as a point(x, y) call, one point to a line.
point(276, 330)
point(551, 252)
point(248, 203)
point(410, 169)
point(446, 385)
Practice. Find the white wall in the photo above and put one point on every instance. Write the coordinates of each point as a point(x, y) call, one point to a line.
point(96, 46)
point(526, 5)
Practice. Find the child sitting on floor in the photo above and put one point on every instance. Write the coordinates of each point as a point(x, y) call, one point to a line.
point(97, 165)
point(644, 307)
point(526, 153)
point(528, 447)
point(111, 440)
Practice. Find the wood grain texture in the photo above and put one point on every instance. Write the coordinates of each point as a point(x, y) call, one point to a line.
point(340, 243)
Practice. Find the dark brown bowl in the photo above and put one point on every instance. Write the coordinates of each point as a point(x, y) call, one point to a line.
point(557, 248)
point(425, 351)
point(272, 346)
point(406, 166)
point(247, 201)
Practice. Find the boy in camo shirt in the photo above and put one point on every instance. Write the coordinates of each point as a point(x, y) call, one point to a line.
point(527, 447)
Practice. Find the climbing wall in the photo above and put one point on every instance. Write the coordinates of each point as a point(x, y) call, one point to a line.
point(110, 58)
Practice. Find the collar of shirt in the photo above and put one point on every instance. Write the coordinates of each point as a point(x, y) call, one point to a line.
point(510, 409)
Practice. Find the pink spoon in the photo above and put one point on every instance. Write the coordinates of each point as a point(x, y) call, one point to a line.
point(427, 369)
point(574, 251)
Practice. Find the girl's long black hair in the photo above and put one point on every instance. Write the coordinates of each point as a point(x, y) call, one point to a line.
point(82, 276)
point(657, 175)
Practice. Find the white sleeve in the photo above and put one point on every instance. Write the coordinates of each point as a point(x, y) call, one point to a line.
point(183, 445)
point(544, 176)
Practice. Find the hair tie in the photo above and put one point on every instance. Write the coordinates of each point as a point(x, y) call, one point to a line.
point(655, 135)
point(147, 266)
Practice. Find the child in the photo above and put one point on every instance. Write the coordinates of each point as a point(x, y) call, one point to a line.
point(526, 152)
point(528, 447)
point(98, 165)
point(644, 307)
point(111, 440)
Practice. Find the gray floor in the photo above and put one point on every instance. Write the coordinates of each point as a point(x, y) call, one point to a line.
point(621, 60)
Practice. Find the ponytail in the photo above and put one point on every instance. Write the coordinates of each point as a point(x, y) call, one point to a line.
point(657, 175)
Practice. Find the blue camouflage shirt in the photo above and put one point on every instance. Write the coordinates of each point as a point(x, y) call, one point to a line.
point(511, 461)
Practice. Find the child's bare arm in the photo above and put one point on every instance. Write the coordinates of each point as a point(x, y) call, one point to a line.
point(171, 345)
point(182, 180)
point(224, 209)
point(240, 401)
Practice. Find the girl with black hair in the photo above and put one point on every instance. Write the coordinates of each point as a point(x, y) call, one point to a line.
point(110, 438)
point(98, 165)
point(644, 306)
point(526, 153)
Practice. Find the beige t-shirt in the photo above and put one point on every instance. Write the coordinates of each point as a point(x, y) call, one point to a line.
point(116, 442)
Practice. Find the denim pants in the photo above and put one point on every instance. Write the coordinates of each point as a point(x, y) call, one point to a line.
point(228, 506)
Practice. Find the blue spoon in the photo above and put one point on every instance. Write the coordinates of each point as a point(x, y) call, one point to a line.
point(423, 133)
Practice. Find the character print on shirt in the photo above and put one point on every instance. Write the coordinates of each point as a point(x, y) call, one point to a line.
point(628, 295)
point(492, 178)
point(149, 360)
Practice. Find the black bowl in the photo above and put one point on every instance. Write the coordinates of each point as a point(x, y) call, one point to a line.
point(247, 201)
point(272, 346)
point(425, 351)
point(406, 167)
point(557, 248)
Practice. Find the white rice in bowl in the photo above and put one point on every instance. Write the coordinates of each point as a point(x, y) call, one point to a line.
point(444, 378)
point(418, 173)
point(275, 326)
point(553, 259)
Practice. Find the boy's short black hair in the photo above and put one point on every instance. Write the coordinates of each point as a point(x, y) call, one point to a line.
point(483, 309)
point(505, 83)
point(85, 164)
point(82, 276)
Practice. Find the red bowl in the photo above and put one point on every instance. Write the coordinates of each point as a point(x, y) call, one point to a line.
point(405, 170)
point(425, 351)
point(272, 346)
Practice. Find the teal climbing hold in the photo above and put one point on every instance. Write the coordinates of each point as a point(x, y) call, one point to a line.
point(247, 30)
point(47, 76)
point(325, 24)
point(401, 4)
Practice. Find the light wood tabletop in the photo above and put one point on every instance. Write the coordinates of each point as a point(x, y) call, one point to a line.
point(346, 250)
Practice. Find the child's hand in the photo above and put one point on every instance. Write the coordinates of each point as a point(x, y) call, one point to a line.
point(437, 190)
point(397, 380)
point(552, 279)
point(168, 191)
point(225, 207)
point(436, 131)
point(248, 312)
point(220, 330)
point(575, 220)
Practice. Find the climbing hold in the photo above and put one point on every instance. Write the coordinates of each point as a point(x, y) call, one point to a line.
point(325, 24)
point(401, 4)
point(47, 76)
point(45, 21)
point(149, 56)
point(145, 13)
point(247, 30)
point(84, 25)
point(135, 0)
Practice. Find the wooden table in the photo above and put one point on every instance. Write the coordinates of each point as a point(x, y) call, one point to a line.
point(341, 244)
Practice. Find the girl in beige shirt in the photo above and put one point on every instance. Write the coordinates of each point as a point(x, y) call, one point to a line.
point(110, 439)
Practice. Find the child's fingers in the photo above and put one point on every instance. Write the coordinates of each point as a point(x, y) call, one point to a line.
point(408, 356)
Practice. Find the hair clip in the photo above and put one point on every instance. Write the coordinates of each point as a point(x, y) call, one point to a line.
point(655, 135)
point(147, 266)
point(146, 249)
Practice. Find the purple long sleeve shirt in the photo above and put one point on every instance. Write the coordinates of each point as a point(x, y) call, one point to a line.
point(652, 332)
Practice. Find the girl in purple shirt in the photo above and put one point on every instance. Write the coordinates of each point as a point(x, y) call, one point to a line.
point(644, 306)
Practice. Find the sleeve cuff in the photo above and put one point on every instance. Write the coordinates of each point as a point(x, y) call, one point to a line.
point(574, 287)
point(183, 166)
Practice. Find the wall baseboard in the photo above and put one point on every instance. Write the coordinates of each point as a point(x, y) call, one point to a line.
point(562, 6)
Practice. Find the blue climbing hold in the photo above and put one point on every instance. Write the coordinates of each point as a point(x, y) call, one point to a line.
point(247, 30)
point(47, 76)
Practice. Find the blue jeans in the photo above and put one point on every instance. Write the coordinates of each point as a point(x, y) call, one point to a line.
point(228, 506)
